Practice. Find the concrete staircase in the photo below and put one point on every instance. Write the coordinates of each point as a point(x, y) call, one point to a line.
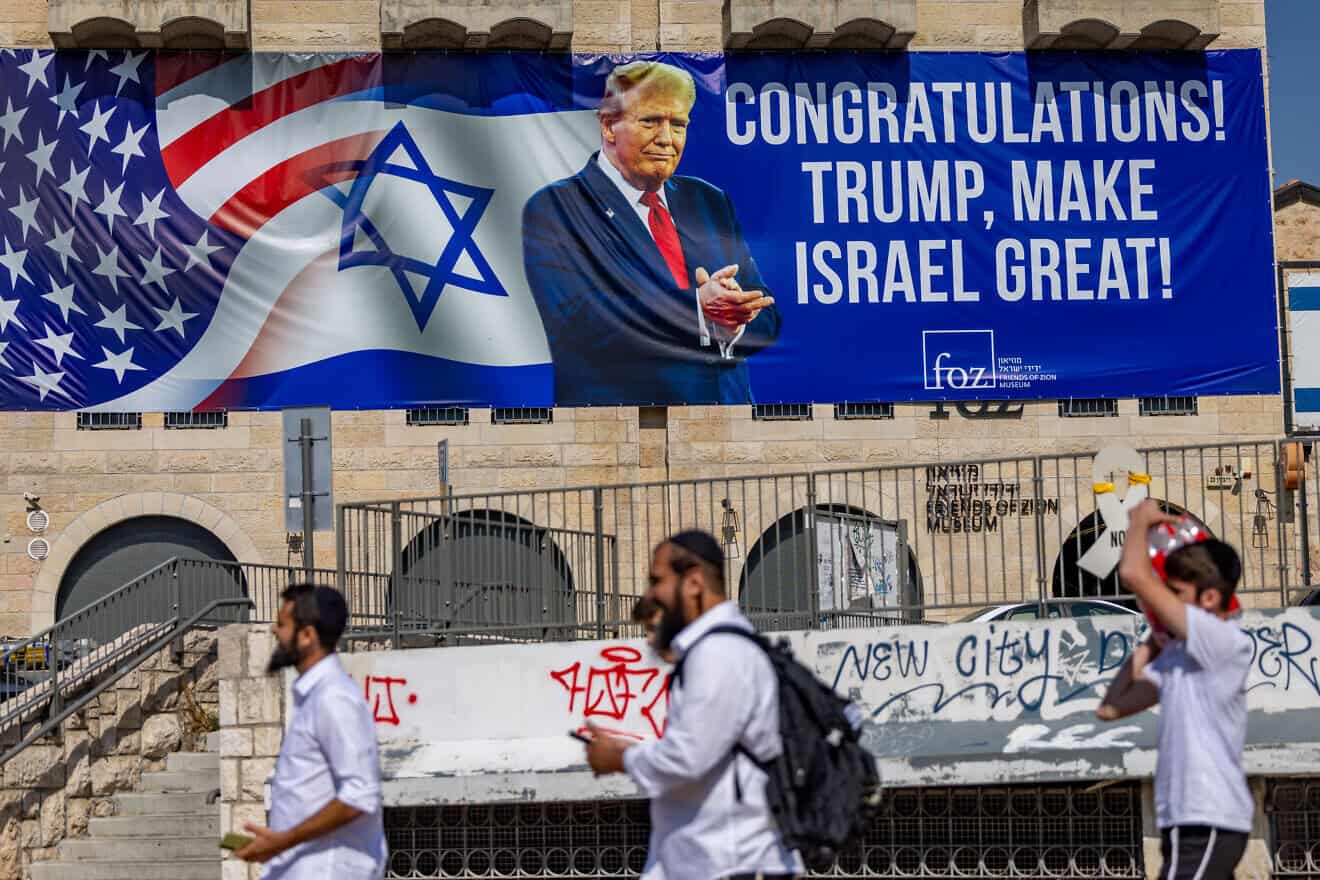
point(168, 830)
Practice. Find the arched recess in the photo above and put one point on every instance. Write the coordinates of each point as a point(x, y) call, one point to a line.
point(1086, 33)
point(864, 34)
point(124, 508)
point(194, 33)
point(1168, 33)
point(433, 33)
point(1070, 581)
point(520, 33)
point(478, 568)
point(105, 33)
point(778, 33)
point(123, 553)
point(858, 561)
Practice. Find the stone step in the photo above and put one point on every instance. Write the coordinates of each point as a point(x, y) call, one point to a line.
point(156, 826)
point(172, 780)
point(176, 869)
point(128, 849)
point(160, 804)
point(192, 762)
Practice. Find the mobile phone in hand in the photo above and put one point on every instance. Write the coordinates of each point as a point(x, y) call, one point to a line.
point(582, 738)
point(234, 841)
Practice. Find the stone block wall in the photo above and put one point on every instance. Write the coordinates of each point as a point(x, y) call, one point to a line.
point(638, 25)
point(251, 728)
point(50, 789)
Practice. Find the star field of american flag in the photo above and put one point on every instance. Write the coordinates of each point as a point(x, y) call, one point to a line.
point(106, 278)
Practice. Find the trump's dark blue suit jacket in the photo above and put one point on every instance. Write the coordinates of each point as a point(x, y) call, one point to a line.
point(620, 330)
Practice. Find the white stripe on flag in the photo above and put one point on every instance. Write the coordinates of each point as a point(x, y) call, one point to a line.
point(216, 182)
point(196, 100)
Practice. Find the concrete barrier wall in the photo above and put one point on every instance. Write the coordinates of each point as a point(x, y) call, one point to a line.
point(968, 704)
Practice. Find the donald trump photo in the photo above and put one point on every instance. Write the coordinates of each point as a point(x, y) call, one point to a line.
point(646, 288)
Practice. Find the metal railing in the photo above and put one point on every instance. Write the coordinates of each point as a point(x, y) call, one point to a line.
point(47, 676)
point(74, 678)
point(856, 547)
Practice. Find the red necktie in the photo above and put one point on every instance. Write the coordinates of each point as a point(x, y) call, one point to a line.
point(666, 238)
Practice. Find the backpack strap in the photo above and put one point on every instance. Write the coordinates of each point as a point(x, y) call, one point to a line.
point(676, 677)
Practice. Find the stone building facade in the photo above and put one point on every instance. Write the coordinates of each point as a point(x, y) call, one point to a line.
point(228, 480)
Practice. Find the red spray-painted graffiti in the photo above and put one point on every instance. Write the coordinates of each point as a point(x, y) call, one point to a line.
point(611, 690)
point(379, 691)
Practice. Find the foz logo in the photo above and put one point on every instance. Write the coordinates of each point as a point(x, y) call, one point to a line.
point(958, 360)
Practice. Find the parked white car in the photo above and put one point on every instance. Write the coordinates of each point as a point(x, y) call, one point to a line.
point(1033, 610)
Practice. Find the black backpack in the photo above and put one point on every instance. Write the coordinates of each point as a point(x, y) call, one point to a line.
point(824, 785)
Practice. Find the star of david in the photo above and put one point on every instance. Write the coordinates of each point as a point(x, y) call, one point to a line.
point(478, 276)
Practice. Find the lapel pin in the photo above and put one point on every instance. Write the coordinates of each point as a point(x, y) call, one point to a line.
point(609, 213)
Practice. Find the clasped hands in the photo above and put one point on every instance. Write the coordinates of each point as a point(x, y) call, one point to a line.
point(723, 300)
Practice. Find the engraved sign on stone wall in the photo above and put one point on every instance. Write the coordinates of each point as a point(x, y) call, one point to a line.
point(965, 498)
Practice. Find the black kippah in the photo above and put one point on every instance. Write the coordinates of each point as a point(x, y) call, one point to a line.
point(702, 545)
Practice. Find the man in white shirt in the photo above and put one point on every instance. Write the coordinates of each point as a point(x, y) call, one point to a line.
point(709, 815)
point(1197, 672)
point(325, 814)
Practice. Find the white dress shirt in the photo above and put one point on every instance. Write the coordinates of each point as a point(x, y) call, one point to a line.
point(728, 695)
point(633, 196)
point(329, 753)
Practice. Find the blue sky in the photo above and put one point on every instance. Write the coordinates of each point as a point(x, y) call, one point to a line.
point(1294, 88)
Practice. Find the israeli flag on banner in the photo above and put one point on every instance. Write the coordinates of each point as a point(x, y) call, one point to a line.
point(264, 230)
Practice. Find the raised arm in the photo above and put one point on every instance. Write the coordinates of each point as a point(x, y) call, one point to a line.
point(1131, 691)
point(1139, 576)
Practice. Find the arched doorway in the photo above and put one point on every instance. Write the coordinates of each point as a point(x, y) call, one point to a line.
point(1069, 581)
point(858, 561)
point(126, 551)
point(479, 568)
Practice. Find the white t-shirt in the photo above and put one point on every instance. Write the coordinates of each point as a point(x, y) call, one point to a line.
point(1199, 778)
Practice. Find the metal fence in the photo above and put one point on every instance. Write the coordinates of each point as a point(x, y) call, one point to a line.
point(1292, 807)
point(905, 543)
point(1015, 831)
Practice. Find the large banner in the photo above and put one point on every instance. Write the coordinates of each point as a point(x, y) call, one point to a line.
point(210, 231)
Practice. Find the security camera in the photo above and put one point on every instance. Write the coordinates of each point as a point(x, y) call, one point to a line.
point(31, 498)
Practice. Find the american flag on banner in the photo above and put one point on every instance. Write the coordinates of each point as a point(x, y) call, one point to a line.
point(183, 231)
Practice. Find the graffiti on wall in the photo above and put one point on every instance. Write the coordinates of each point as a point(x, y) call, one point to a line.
point(1007, 671)
point(931, 694)
point(380, 693)
point(614, 685)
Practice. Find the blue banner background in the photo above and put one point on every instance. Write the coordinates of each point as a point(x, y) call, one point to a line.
point(1217, 335)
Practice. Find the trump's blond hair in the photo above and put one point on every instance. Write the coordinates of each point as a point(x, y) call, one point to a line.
point(654, 74)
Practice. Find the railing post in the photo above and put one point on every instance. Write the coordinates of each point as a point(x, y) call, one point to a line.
point(1304, 543)
point(1038, 492)
point(176, 603)
point(598, 552)
point(397, 637)
point(53, 663)
point(813, 542)
point(1280, 494)
point(396, 565)
point(341, 580)
point(308, 497)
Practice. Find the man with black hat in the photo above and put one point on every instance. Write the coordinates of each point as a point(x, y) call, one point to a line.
point(325, 812)
point(709, 816)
